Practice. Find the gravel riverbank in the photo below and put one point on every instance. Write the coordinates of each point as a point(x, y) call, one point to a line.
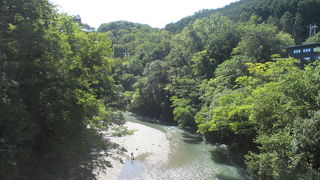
point(147, 144)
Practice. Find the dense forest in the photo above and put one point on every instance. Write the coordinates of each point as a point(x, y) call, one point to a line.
point(55, 83)
point(222, 72)
point(291, 16)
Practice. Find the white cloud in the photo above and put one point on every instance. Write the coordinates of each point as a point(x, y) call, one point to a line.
point(156, 13)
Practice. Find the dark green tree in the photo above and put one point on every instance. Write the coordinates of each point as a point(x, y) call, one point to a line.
point(55, 83)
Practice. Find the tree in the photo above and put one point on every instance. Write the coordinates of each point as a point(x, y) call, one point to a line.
point(313, 39)
point(286, 22)
point(150, 97)
point(278, 107)
point(298, 27)
point(260, 41)
point(55, 82)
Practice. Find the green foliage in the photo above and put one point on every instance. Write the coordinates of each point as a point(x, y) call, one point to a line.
point(313, 39)
point(227, 72)
point(286, 22)
point(120, 131)
point(55, 83)
point(116, 26)
point(183, 111)
point(260, 41)
point(150, 97)
point(117, 118)
point(275, 113)
point(273, 161)
point(201, 65)
point(306, 142)
point(269, 107)
point(228, 111)
point(216, 73)
point(291, 16)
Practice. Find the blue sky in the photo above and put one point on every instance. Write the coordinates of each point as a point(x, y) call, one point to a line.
point(156, 13)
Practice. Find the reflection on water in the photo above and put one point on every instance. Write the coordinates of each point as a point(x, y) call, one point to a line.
point(131, 170)
point(190, 159)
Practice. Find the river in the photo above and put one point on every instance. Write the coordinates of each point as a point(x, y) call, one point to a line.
point(190, 158)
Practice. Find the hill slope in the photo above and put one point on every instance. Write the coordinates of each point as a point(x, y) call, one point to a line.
point(292, 16)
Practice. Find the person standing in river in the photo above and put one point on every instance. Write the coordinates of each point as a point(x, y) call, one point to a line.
point(132, 157)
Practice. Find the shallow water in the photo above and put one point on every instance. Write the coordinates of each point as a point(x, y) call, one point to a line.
point(190, 159)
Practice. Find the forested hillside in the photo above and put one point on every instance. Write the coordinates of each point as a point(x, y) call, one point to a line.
point(225, 75)
point(291, 16)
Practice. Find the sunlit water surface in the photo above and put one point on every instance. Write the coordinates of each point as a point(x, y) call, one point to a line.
point(190, 159)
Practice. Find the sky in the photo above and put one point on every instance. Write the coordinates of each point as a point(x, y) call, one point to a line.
point(156, 13)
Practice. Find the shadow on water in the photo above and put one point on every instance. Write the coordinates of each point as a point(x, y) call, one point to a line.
point(191, 138)
point(220, 156)
point(242, 176)
point(148, 119)
point(226, 177)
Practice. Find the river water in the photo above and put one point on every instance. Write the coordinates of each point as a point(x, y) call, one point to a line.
point(190, 158)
